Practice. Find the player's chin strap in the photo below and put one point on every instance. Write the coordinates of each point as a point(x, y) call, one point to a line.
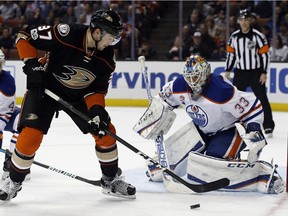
point(206, 187)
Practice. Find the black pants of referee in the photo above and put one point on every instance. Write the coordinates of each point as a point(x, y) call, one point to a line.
point(244, 79)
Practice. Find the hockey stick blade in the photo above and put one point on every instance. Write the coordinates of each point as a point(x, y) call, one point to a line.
point(92, 182)
point(197, 188)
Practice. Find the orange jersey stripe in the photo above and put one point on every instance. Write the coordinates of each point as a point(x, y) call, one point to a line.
point(235, 147)
point(95, 99)
point(255, 108)
point(230, 49)
point(26, 50)
point(264, 49)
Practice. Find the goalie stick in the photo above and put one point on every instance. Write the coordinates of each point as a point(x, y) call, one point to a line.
point(169, 183)
point(159, 140)
point(65, 173)
point(215, 185)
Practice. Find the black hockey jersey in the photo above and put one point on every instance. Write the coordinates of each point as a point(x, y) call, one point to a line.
point(71, 72)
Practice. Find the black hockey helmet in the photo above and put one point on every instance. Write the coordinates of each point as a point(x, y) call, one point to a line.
point(245, 13)
point(107, 20)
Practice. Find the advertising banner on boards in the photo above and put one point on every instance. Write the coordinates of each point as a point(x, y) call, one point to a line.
point(127, 87)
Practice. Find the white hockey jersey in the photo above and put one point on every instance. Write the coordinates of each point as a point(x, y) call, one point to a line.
point(219, 106)
point(7, 98)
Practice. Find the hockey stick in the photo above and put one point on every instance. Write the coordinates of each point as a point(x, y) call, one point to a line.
point(215, 185)
point(92, 182)
point(159, 140)
point(141, 59)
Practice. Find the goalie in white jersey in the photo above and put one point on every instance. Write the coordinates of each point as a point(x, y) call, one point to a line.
point(209, 147)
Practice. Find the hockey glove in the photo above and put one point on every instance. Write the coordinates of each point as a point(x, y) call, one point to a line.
point(99, 120)
point(35, 76)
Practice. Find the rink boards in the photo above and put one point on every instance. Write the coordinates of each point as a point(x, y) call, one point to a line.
point(127, 87)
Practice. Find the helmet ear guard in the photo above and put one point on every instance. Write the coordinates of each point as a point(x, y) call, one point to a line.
point(196, 73)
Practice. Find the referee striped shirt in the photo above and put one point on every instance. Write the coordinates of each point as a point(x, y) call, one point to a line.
point(248, 51)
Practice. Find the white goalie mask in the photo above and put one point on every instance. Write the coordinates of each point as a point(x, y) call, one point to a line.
point(196, 73)
point(2, 60)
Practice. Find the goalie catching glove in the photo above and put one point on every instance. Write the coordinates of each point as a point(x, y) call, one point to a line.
point(100, 120)
point(256, 142)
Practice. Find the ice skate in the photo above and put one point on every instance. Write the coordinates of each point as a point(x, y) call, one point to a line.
point(276, 184)
point(6, 167)
point(9, 190)
point(117, 187)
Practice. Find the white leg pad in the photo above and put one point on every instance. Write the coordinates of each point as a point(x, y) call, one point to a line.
point(243, 176)
point(178, 146)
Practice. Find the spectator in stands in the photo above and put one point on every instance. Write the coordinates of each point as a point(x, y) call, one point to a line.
point(173, 53)
point(69, 17)
point(209, 41)
point(220, 19)
point(265, 29)
point(196, 47)
point(36, 18)
point(146, 50)
point(19, 26)
point(9, 10)
point(194, 21)
point(263, 9)
point(185, 34)
point(280, 51)
point(85, 18)
point(46, 7)
point(210, 25)
point(283, 32)
point(124, 48)
point(6, 40)
point(219, 54)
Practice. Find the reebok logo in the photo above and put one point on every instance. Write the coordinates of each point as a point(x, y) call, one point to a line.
point(31, 116)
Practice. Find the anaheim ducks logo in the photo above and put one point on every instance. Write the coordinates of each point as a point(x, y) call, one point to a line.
point(77, 78)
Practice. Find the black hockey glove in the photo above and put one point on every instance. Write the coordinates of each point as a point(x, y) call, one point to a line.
point(99, 120)
point(35, 76)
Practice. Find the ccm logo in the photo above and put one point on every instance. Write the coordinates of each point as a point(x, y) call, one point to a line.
point(240, 165)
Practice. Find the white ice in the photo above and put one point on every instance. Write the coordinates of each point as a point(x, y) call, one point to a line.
point(65, 148)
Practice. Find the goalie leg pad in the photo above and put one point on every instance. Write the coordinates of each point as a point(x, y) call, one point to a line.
point(179, 144)
point(243, 176)
point(153, 172)
point(156, 118)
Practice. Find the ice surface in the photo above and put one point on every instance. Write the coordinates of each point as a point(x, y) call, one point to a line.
point(65, 148)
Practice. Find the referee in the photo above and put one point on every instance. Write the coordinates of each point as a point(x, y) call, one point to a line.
point(248, 50)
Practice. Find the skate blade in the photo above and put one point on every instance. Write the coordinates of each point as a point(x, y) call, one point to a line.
point(110, 193)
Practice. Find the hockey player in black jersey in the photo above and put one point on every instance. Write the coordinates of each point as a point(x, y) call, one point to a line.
point(79, 69)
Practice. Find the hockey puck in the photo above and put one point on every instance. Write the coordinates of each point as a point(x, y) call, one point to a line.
point(194, 206)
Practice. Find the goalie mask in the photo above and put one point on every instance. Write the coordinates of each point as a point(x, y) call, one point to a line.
point(108, 21)
point(196, 73)
point(2, 60)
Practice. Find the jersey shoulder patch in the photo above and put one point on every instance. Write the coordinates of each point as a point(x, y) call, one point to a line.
point(7, 84)
point(218, 91)
point(180, 85)
point(63, 29)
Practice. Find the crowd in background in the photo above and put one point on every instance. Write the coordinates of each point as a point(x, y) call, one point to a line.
point(204, 32)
